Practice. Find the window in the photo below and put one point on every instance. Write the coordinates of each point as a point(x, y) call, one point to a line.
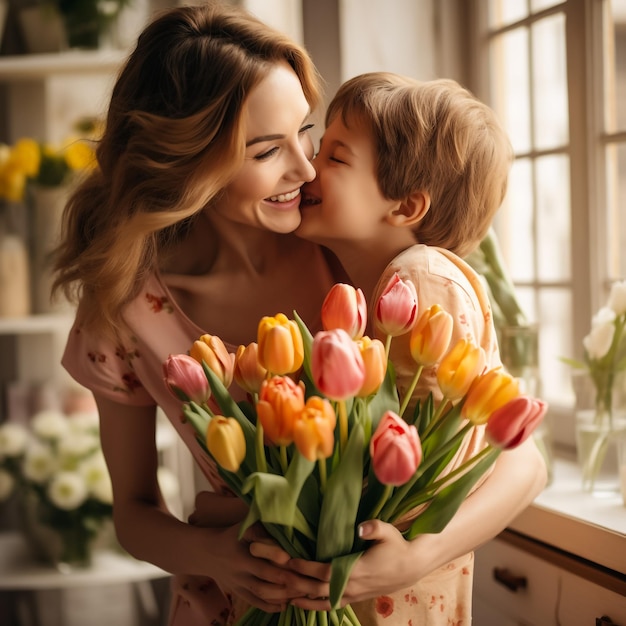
point(555, 72)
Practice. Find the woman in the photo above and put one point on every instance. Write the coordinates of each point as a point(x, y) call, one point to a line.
point(183, 230)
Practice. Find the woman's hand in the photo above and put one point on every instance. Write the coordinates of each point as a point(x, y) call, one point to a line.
point(383, 568)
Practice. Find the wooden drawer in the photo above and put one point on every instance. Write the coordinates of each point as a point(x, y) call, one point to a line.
point(519, 582)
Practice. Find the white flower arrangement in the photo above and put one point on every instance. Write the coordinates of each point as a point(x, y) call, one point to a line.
point(57, 472)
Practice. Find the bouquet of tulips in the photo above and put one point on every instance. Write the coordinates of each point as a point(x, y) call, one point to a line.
point(322, 443)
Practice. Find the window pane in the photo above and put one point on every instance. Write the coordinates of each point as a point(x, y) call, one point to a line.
point(540, 5)
point(514, 223)
point(510, 83)
point(550, 82)
point(616, 210)
point(502, 12)
point(553, 218)
point(555, 333)
point(615, 65)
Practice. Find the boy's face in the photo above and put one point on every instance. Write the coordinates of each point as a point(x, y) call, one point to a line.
point(344, 202)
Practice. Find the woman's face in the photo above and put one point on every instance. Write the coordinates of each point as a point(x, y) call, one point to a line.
point(266, 190)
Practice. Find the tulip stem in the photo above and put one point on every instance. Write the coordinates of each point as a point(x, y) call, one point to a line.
point(389, 509)
point(261, 461)
point(410, 390)
point(321, 464)
point(436, 417)
point(343, 425)
point(436, 485)
point(387, 345)
point(381, 502)
point(284, 463)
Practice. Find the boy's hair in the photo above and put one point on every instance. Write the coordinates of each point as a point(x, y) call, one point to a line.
point(434, 137)
point(173, 139)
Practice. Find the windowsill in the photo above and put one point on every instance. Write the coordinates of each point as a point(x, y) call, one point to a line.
point(585, 525)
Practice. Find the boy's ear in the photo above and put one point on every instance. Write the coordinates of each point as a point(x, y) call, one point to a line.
point(411, 210)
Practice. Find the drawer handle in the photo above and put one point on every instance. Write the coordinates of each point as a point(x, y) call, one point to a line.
point(508, 579)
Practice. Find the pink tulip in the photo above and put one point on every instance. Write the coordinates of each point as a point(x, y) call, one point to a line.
point(211, 350)
point(337, 366)
point(511, 424)
point(395, 449)
point(280, 403)
point(185, 378)
point(375, 361)
point(396, 309)
point(430, 337)
point(345, 307)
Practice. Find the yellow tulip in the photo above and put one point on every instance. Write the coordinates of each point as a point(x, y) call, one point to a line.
point(211, 350)
point(80, 155)
point(489, 392)
point(281, 350)
point(375, 361)
point(226, 442)
point(26, 154)
point(459, 368)
point(430, 337)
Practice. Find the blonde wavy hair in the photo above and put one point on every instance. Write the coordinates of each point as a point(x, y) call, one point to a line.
point(435, 137)
point(173, 139)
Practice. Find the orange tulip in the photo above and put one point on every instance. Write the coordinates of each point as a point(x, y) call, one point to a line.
point(249, 374)
point(281, 350)
point(211, 350)
point(226, 442)
point(314, 430)
point(489, 392)
point(459, 368)
point(430, 337)
point(375, 361)
point(280, 403)
point(345, 307)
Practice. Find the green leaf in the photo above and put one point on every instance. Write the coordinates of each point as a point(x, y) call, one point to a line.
point(341, 567)
point(340, 505)
point(386, 398)
point(447, 502)
point(307, 341)
point(276, 497)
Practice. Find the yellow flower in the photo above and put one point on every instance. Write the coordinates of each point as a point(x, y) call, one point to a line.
point(211, 350)
point(80, 155)
point(27, 156)
point(489, 392)
point(281, 350)
point(226, 442)
point(459, 368)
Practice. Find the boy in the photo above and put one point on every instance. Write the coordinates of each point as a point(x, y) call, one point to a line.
point(409, 177)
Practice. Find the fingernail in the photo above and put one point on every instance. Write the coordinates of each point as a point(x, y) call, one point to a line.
point(364, 530)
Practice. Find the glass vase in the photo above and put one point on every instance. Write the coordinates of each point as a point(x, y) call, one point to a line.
point(600, 426)
point(66, 546)
point(519, 351)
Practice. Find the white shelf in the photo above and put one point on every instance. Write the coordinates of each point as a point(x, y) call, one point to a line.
point(36, 324)
point(30, 67)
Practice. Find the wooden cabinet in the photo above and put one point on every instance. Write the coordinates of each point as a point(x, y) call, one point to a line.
point(521, 582)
